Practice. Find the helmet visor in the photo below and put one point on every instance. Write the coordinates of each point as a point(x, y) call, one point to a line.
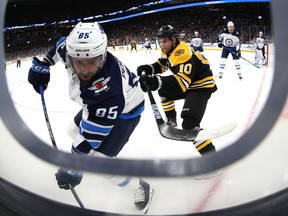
point(86, 68)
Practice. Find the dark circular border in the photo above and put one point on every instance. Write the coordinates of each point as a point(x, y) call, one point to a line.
point(160, 168)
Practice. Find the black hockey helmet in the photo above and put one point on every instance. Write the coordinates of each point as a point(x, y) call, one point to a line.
point(167, 31)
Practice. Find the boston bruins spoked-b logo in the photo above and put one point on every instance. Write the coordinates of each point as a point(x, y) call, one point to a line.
point(228, 41)
point(179, 52)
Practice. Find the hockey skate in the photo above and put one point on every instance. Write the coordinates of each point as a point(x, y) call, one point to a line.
point(240, 76)
point(172, 122)
point(209, 175)
point(220, 75)
point(143, 196)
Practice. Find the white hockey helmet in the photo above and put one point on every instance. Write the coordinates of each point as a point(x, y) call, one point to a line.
point(87, 40)
point(230, 24)
point(260, 33)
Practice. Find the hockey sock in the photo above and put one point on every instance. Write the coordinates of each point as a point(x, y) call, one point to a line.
point(169, 109)
point(205, 147)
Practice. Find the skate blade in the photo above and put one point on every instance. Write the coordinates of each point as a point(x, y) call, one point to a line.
point(151, 193)
point(208, 175)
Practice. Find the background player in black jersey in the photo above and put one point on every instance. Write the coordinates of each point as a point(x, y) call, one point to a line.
point(133, 45)
point(18, 62)
point(192, 81)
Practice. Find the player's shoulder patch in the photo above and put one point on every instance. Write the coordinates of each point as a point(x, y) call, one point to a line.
point(179, 52)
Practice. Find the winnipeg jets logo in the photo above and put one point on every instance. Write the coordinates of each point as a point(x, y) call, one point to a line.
point(100, 85)
point(229, 41)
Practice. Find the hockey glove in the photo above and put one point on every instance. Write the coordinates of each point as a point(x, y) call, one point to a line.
point(238, 54)
point(66, 178)
point(39, 74)
point(220, 45)
point(145, 69)
point(154, 82)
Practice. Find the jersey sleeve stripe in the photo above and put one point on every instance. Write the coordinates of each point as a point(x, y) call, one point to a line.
point(182, 85)
point(209, 78)
point(183, 76)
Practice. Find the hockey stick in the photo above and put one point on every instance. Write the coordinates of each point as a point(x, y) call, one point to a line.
point(164, 129)
point(76, 196)
point(205, 45)
point(184, 135)
point(53, 140)
point(47, 118)
point(241, 57)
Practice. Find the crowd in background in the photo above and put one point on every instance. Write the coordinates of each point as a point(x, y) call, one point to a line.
point(208, 21)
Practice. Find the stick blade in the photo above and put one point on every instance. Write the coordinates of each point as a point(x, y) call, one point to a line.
point(177, 134)
point(216, 132)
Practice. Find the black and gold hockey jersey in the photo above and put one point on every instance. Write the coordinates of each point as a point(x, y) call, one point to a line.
point(191, 71)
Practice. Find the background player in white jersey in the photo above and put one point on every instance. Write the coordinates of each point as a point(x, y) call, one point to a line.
point(147, 45)
point(260, 43)
point(229, 40)
point(109, 93)
point(196, 43)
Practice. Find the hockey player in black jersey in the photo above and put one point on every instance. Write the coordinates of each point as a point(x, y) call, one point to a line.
point(229, 40)
point(133, 45)
point(192, 81)
point(109, 93)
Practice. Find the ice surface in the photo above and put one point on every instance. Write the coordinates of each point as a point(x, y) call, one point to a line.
point(259, 174)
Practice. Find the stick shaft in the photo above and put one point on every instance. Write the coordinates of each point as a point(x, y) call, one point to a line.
point(47, 118)
point(76, 196)
point(241, 57)
point(54, 142)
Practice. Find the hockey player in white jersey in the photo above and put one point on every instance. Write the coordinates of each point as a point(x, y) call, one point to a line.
point(109, 93)
point(196, 43)
point(147, 45)
point(260, 43)
point(229, 40)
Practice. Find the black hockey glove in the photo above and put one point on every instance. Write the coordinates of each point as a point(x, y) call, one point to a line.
point(220, 45)
point(39, 74)
point(154, 82)
point(238, 54)
point(66, 178)
point(145, 69)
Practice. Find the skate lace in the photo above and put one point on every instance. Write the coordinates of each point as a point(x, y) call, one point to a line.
point(139, 195)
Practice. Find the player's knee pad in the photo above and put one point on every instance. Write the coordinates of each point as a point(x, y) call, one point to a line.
point(236, 62)
point(223, 61)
